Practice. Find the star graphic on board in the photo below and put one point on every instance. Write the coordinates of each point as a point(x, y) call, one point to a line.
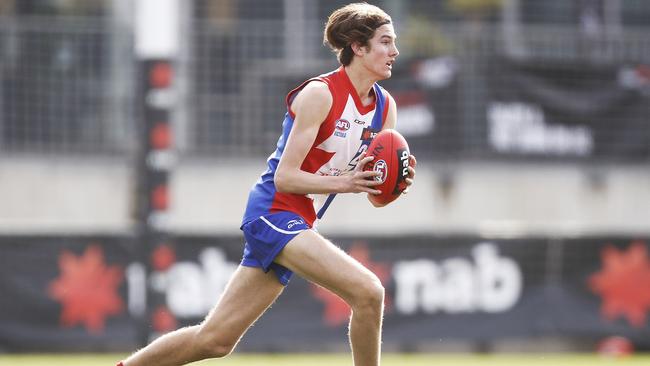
point(337, 311)
point(163, 257)
point(163, 320)
point(624, 283)
point(87, 289)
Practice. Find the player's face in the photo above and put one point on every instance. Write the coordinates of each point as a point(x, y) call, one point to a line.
point(382, 52)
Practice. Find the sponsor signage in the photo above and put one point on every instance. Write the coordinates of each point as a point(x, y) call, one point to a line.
point(566, 109)
point(84, 293)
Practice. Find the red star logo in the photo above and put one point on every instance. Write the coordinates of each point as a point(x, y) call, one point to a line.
point(624, 283)
point(163, 320)
point(163, 257)
point(87, 289)
point(337, 311)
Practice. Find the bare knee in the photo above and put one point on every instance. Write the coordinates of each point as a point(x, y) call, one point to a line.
point(213, 345)
point(368, 296)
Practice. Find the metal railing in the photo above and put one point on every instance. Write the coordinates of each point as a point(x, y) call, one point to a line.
point(69, 86)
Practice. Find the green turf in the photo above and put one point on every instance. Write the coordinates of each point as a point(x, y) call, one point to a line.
point(337, 359)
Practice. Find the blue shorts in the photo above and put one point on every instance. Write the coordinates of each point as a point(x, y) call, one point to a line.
point(265, 239)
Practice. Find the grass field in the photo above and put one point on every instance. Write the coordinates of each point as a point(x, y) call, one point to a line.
point(336, 359)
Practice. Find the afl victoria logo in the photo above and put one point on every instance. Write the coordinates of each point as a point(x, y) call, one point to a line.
point(381, 167)
point(342, 125)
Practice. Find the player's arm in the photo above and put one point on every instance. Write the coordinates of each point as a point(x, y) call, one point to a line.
point(391, 117)
point(311, 107)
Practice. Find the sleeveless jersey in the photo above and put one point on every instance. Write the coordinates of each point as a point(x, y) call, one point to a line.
point(343, 136)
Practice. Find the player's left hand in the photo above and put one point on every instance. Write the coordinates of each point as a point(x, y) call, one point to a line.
point(409, 181)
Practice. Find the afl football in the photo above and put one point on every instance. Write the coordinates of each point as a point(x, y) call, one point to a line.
point(391, 154)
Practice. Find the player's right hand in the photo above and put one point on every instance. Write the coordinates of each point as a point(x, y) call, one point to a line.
point(358, 180)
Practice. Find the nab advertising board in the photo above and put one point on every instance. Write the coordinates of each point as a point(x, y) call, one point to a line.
point(87, 293)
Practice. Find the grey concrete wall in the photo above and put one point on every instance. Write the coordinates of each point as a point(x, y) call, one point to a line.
point(208, 197)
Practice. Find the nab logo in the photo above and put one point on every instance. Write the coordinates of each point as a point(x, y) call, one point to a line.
point(404, 159)
point(342, 125)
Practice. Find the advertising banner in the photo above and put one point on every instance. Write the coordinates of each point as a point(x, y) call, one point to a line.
point(568, 109)
point(86, 293)
point(65, 293)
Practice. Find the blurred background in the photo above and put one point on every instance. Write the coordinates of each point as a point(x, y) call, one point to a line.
point(131, 131)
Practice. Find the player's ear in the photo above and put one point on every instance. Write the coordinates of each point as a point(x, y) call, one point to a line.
point(358, 48)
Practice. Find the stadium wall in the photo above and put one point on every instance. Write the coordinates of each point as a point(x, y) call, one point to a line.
point(208, 197)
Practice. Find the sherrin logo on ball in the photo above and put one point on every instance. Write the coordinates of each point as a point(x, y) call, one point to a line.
point(381, 167)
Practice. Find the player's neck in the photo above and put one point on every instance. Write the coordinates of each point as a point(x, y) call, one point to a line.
point(362, 83)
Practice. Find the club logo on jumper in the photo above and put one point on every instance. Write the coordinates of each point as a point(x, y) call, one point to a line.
point(368, 133)
point(381, 167)
point(293, 223)
point(342, 126)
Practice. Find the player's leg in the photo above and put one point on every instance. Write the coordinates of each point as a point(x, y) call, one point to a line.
point(319, 261)
point(248, 294)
